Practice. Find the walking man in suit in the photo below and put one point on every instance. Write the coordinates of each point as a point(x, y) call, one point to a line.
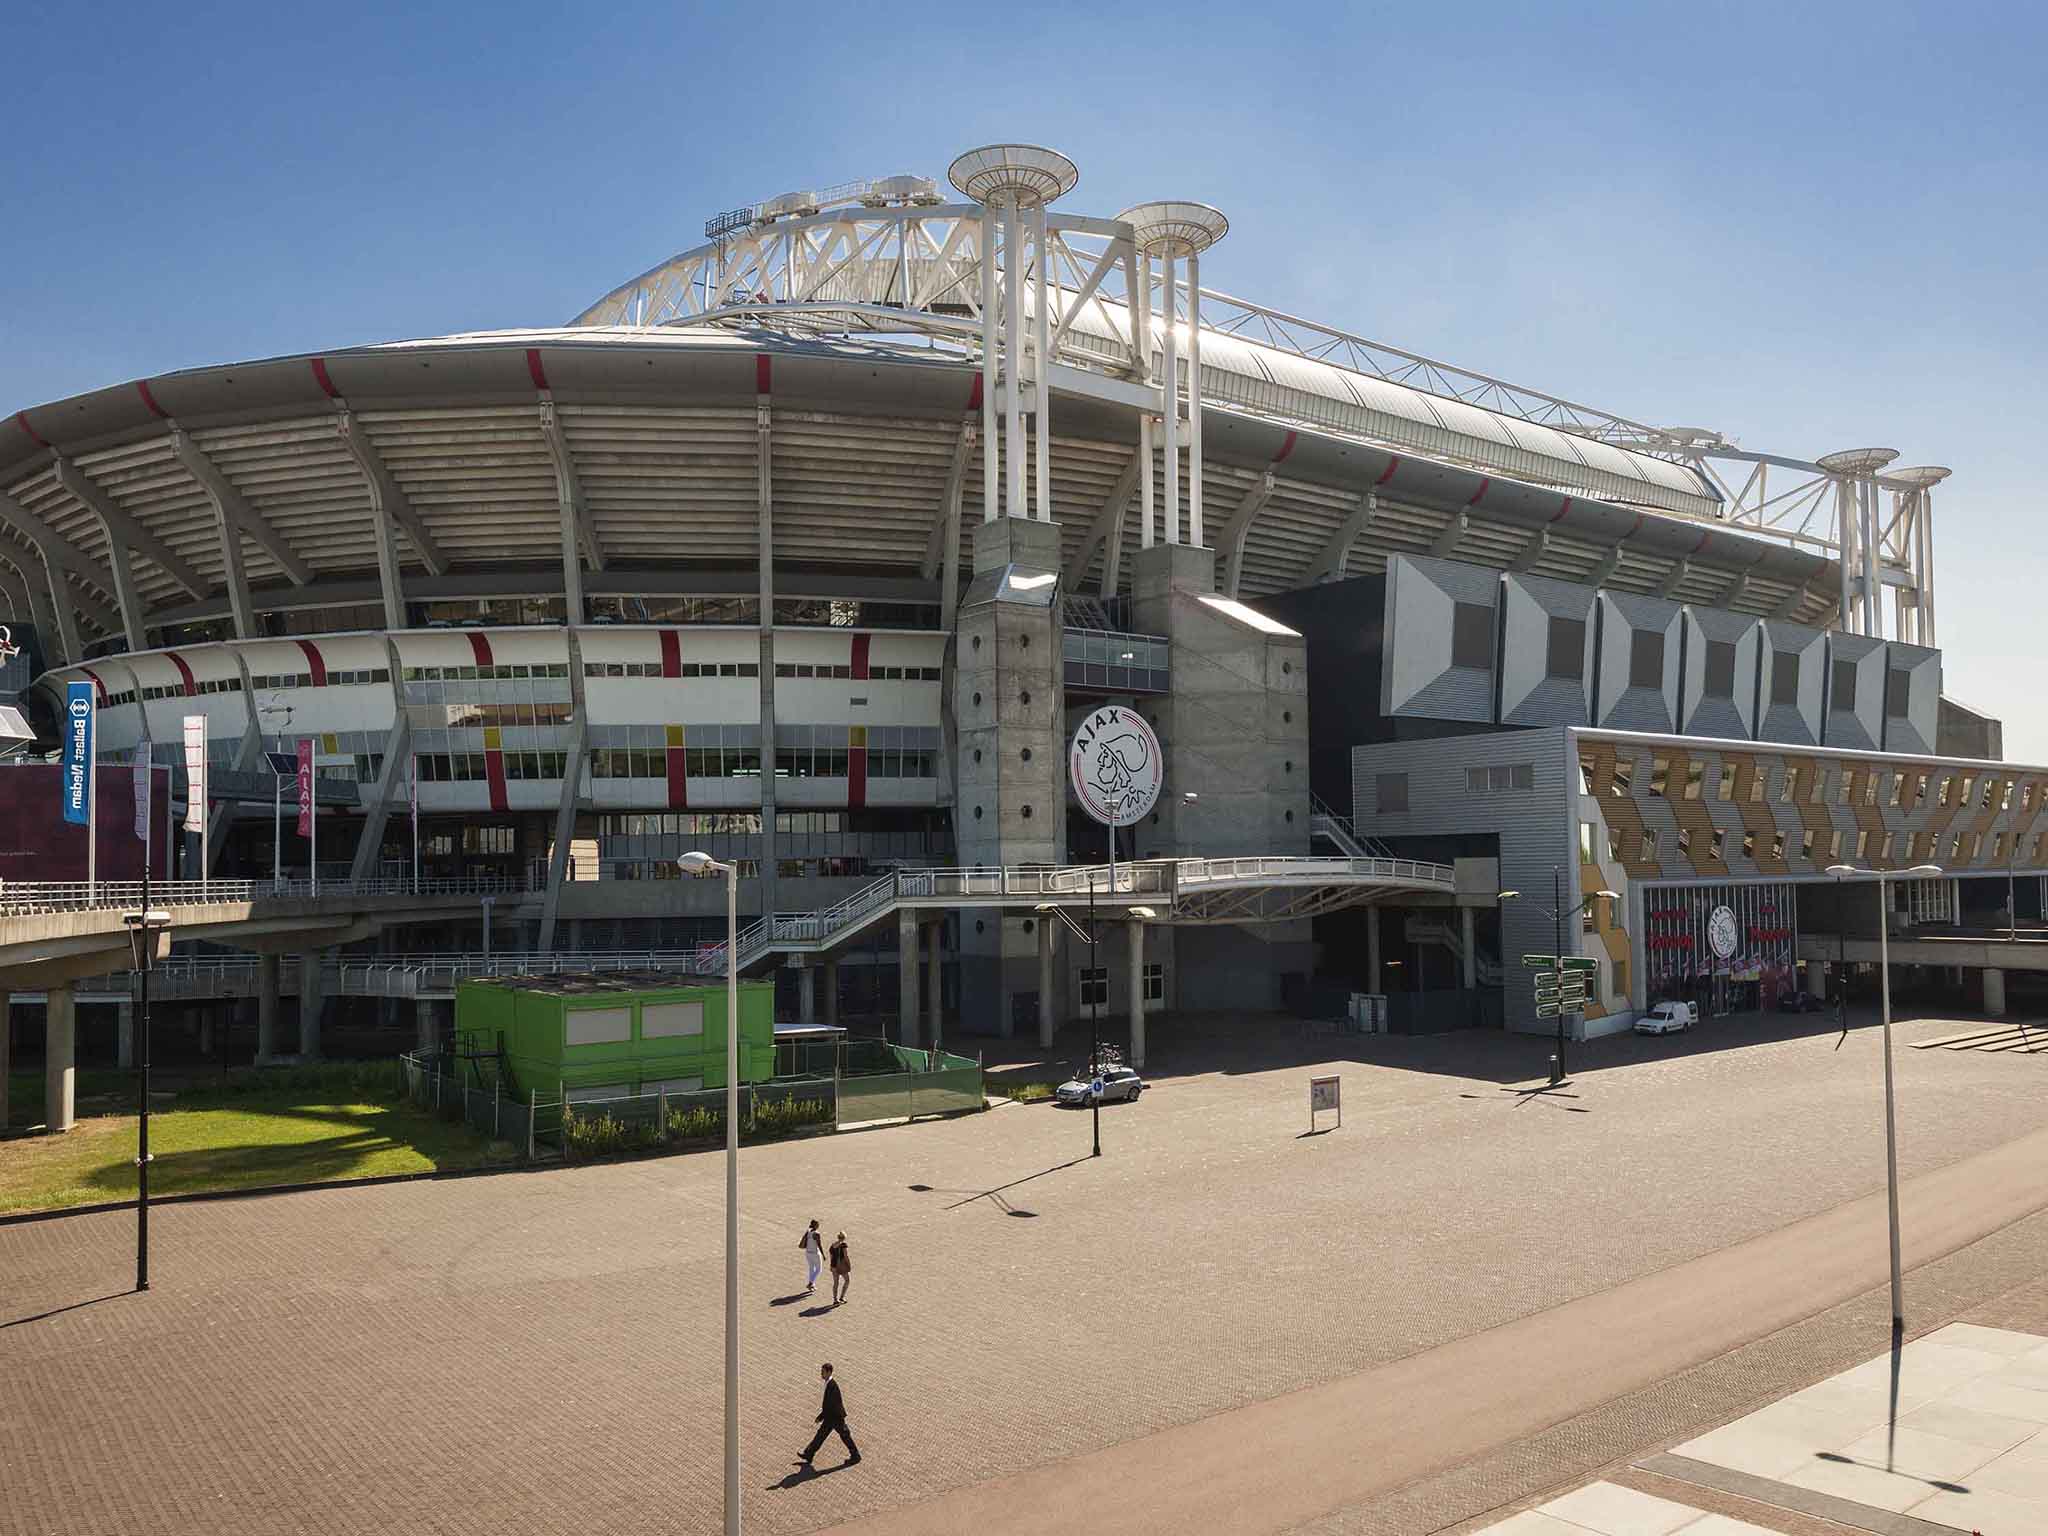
point(831, 1420)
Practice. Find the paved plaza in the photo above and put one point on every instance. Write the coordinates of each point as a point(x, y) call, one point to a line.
point(1467, 1301)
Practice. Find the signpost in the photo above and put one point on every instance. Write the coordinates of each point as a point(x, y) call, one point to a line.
point(1325, 1093)
point(1560, 983)
point(79, 786)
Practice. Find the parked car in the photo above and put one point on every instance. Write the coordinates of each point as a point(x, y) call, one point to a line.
point(1115, 1083)
point(1668, 1019)
point(1798, 1000)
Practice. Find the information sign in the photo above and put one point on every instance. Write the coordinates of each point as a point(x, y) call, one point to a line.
point(1325, 1094)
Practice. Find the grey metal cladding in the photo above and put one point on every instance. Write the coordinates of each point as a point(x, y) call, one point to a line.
point(1856, 679)
point(1418, 676)
point(1914, 731)
point(1534, 689)
point(1707, 710)
point(1621, 705)
point(1536, 827)
point(1791, 703)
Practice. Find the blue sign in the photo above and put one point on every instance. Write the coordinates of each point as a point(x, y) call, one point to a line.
point(78, 711)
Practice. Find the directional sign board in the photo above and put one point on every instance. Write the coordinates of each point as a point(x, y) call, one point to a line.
point(1540, 962)
point(1579, 963)
point(1547, 1010)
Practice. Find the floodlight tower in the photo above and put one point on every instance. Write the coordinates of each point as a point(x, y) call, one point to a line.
point(1917, 501)
point(1167, 232)
point(1012, 179)
point(1855, 475)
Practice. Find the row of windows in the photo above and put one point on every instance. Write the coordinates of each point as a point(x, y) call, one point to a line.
point(865, 822)
point(1095, 984)
point(469, 767)
point(1917, 848)
point(1499, 778)
point(469, 717)
point(1963, 791)
point(500, 672)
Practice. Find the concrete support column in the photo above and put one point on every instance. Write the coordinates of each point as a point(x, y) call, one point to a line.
point(1471, 949)
point(807, 994)
point(424, 1025)
point(906, 976)
point(1136, 930)
point(205, 1033)
point(934, 984)
point(1372, 949)
point(310, 1004)
point(60, 1044)
point(124, 1035)
point(1817, 979)
point(1994, 991)
point(1045, 981)
point(267, 989)
point(831, 992)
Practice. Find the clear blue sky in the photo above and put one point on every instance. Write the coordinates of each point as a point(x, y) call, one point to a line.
point(1810, 226)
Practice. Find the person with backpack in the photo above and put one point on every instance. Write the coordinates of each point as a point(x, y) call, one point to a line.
point(842, 1269)
point(813, 1245)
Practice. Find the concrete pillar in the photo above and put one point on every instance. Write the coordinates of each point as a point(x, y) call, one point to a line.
point(1136, 930)
point(60, 1076)
point(1045, 981)
point(205, 1033)
point(310, 1004)
point(124, 1034)
point(266, 1006)
point(424, 1024)
point(934, 985)
point(1994, 991)
point(831, 992)
point(1372, 949)
point(906, 976)
point(1471, 949)
point(1817, 979)
point(807, 994)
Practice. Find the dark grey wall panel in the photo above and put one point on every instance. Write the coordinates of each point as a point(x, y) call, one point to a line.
point(1856, 679)
point(1791, 683)
point(1719, 691)
point(1639, 642)
point(1912, 698)
point(1439, 661)
point(1546, 667)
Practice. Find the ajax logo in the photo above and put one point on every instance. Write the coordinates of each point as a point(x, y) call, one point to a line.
point(1115, 765)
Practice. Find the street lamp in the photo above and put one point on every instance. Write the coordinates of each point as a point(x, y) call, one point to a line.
point(702, 866)
point(145, 930)
point(1557, 915)
point(1843, 872)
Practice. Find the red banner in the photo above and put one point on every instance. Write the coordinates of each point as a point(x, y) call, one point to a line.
point(306, 788)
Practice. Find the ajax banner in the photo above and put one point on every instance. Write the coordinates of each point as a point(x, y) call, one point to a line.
point(78, 722)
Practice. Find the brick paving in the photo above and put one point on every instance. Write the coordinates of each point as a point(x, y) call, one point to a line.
point(539, 1351)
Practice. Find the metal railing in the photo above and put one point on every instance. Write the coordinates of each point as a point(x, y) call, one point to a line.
point(25, 897)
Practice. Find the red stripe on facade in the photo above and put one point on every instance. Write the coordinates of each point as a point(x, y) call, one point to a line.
point(142, 389)
point(98, 684)
point(761, 374)
point(21, 420)
point(671, 653)
point(320, 377)
point(1387, 474)
point(1702, 543)
point(315, 663)
point(191, 683)
point(678, 781)
point(856, 777)
point(538, 374)
point(480, 646)
point(494, 770)
point(974, 395)
point(1478, 495)
point(1285, 448)
point(1558, 515)
point(860, 655)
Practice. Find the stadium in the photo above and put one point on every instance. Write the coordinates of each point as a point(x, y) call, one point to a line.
point(810, 546)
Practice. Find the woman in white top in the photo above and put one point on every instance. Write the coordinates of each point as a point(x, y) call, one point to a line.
point(813, 1245)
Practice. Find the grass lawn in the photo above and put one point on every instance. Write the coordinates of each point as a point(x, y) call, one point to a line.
point(263, 1132)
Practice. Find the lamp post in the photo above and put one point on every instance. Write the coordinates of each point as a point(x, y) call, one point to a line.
point(1843, 872)
point(143, 928)
point(1558, 914)
point(703, 866)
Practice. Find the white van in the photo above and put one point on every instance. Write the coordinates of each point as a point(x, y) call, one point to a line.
point(1668, 1019)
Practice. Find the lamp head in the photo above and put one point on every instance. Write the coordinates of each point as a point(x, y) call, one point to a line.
point(1922, 871)
point(1842, 871)
point(1145, 912)
point(1507, 895)
point(698, 864)
point(1610, 895)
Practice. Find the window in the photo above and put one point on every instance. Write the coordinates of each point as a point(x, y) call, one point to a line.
point(1778, 845)
point(1847, 792)
point(1727, 789)
point(1759, 780)
point(1155, 982)
point(1818, 785)
point(1624, 778)
point(1947, 784)
point(1806, 845)
point(1835, 846)
point(1898, 687)
point(1500, 778)
point(1567, 649)
point(1649, 846)
point(1998, 849)
point(2027, 796)
point(1660, 774)
point(1862, 845)
point(1472, 636)
point(1749, 845)
point(1984, 803)
point(1714, 848)
point(1789, 789)
point(1586, 776)
point(1976, 846)
point(1898, 789)
point(1585, 842)
point(1390, 792)
point(1694, 772)
point(1719, 671)
point(1684, 841)
point(1843, 701)
point(1920, 791)
point(1646, 659)
point(1785, 678)
point(1955, 847)
point(1614, 844)
point(1095, 986)
point(1884, 849)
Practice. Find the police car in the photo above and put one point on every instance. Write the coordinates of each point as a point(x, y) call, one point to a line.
point(1112, 1082)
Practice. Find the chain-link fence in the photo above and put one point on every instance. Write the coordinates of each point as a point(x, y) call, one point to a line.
point(532, 1124)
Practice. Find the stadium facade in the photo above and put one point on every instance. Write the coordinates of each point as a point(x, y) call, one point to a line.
point(809, 546)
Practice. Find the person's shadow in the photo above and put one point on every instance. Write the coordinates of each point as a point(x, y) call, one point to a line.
point(789, 1300)
point(822, 1309)
point(799, 1475)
